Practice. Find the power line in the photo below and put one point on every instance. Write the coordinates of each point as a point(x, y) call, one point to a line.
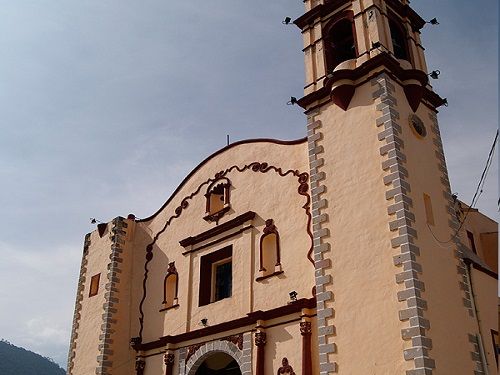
point(477, 193)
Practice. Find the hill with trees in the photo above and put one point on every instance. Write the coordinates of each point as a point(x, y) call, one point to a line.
point(18, 361)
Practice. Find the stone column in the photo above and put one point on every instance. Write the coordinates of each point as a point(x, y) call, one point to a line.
point(305, 331)
point(260, 342)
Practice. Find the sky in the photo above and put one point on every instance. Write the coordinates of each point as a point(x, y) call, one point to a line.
point(106, 105)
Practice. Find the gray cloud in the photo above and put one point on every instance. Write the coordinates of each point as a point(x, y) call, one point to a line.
point(105, 107)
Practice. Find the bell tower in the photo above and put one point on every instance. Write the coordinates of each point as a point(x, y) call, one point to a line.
point(392, 298)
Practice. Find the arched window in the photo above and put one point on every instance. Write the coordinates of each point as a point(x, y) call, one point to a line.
point(398, 37)
point(170, 287)
point(217, 196)
point(270, 261)
point(340, 41)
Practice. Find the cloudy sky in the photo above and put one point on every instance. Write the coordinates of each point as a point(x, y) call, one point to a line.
point(106, 105)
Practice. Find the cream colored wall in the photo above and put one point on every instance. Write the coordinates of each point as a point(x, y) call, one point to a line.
point(372, 25)
point(485, 288)
point(446, 312)
point(85, 361)
point(155, 365)
point(123, 355)
point(365, 305)
point(267, 194)
point(477, 223)
point(283, 341)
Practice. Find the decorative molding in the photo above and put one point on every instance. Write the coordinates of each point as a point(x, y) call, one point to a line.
point(171, 271)
point(323, 10)
point(251, 319)
point(227, 226)
point(260, 342)
point(260, 338)
point(236, 340)
point(262, 278)
point(111, 297)
point(226, 186)
point(140, 365)
point(78, 304)
point(257, 167)
point(191, 350)
point(169, 360)
point(390, 66)
point(242, 356)
point(269, 229)
point(326, 328)
point(306, 331)
point(285, 367)
point(402, 219)
point(305, 328)
point(210, 157)
point(216, 216)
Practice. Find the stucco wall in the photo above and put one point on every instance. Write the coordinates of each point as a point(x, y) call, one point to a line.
point(445, 308)
point(365, 307)
point(268, 194)
point(85, 361)
point(485, 289)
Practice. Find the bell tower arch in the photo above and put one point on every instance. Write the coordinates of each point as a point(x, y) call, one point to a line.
point(390, 296)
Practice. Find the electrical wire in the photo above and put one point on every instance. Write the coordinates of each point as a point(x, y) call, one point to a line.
point(477, 193)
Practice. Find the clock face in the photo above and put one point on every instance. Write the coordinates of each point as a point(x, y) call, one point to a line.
point(417, 125)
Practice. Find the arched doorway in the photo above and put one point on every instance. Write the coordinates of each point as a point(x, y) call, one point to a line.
point(219, 363)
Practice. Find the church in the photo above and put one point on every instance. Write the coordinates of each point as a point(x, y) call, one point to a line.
point(341, 252)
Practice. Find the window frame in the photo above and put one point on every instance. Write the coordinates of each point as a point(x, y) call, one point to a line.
point(330, 61)
point(213, 287)
point(397, 22)
point(171, 272)
point(210, 215)
point(94, 284)
point(206, 288)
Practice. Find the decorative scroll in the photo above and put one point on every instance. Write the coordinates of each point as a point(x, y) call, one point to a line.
point(236, 340)
point(260, 339)
point(140, 365)
point(169, 359)
point(191, 350)
point(305, 328)
point(258, 167)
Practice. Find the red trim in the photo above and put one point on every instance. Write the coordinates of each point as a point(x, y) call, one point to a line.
point(393, 68)
point(239, 220)
point(306, 331)
point(172, 271)
point(322, 10)
point(216, 153)
point(329, 51)
point(268, 230)
point(250, 319)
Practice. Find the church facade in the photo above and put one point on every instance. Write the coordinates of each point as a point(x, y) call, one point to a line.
point(342, 252)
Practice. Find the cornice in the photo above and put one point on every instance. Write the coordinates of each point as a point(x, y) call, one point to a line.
point(237, 221)
point(218, 152)
point(250, 319)
point(322, 10)
point(382, 60)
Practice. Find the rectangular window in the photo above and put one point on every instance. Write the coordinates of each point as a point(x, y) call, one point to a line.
point(222, 280)
point(216, 276)
point(470, 236)
point(428, 209)
point(94, 285)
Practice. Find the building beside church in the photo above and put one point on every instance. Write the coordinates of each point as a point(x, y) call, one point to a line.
point(342, 252)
